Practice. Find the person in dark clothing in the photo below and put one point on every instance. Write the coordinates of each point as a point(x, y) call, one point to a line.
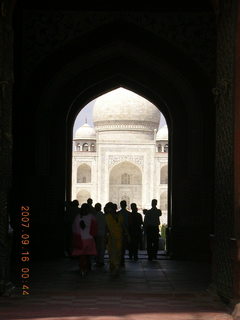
point(151, 227)
point(125, 213)
point(92, 210)
point(101, 235)
point(135, 222)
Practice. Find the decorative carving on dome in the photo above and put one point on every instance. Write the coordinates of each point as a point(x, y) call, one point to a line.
point(125, 124)
point(116, 159)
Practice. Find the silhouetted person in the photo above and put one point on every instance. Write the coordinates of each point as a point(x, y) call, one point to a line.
point(115, 206)
point(91, 207)
point(145, 211)
point(144, 233)
point(72, 210)
point(125, 214)
point(151, 227)
point(101, 235)
point(135, 222)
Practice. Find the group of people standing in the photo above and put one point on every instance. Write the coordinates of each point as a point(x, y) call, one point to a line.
point(91, 231)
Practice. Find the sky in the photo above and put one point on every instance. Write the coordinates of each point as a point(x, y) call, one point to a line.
point(86, 114)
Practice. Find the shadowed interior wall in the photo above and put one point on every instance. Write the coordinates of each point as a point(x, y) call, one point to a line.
point(6, 91)
point(224, 187)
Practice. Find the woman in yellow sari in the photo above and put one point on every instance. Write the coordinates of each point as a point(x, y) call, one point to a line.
point(115, 234)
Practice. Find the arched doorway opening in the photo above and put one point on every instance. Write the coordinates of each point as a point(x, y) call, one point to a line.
point(146, 64)
point(162, 79)
point(126, 162)
point(84, 174)
point(125, 183)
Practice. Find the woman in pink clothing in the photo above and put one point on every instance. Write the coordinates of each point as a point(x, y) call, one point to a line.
point(84, 230)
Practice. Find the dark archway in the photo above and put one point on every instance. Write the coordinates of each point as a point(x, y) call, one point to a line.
point(90, 66)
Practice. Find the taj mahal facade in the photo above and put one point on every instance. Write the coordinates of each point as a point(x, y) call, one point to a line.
point(124, 156)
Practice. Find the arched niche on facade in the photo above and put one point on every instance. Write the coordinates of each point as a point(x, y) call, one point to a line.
point(85, 147)
point(82, 196)
point(93, 147)
point(125, 183)
point(163, 201)
point(164, 174)
point(84, 173)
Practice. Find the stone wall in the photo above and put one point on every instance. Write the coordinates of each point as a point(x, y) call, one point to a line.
point(6, 82)
point(224, 219)
point(236, 240)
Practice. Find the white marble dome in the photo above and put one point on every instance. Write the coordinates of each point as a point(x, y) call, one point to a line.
point(122, 108)
point(162, 133)
point(85, 132)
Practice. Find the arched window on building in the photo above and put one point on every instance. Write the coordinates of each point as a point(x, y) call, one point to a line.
point(125, 178)
point(92, 147)
point(78, 148)
point(84, 174)
point(166, 148)
point(85, 147)
point(164, 175)
point(163, 201)
point(159, 148)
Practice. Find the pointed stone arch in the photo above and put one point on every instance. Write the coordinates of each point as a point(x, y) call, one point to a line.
point(125, 183)
point(84, 173)
point(140, 61)
point(163, 200)
point(164, 174)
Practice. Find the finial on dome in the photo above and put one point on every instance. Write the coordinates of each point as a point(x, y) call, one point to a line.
point(86, 120)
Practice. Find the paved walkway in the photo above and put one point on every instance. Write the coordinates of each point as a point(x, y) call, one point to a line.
point(146, 290)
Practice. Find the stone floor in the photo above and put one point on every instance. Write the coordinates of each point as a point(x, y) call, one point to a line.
point(149, 290)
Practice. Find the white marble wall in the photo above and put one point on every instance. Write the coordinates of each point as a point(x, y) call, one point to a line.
point(108, 155)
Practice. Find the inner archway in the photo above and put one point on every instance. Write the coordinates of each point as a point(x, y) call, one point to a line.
point(127, 130)
point(125, 183)
point(146, 65)
point(84, 174)
point(169, 87)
